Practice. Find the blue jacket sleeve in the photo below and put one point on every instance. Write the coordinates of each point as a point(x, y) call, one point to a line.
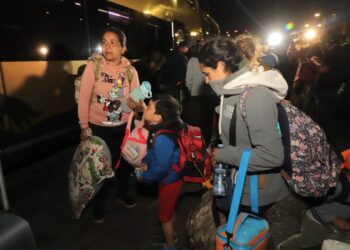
point(159, 164)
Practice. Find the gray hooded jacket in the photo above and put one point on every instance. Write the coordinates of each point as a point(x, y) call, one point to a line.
point(261, 134)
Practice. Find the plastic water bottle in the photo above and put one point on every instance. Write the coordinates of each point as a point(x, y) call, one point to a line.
point(219, 187)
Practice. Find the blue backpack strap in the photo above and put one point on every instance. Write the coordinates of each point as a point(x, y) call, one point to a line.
point(254, 194)
point(237, 194)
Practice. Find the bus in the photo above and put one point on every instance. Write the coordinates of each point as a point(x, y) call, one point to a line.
point(44, 44)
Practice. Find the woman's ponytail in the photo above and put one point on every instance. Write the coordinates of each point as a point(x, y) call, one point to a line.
point(250, 48)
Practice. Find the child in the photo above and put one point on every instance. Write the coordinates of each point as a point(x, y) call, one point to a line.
point(162, 159)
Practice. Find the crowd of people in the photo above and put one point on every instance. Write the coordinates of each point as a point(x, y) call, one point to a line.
point(212, 75)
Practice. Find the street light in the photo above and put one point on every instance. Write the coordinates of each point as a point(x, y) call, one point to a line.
point(275, 39)
point(317, 14)
point(310, 34)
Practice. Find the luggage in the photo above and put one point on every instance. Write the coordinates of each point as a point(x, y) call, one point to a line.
point(195, 157)
point(91, 164)
point(15, 232)
point(310, 165)
point(243, 231)
point(134, 146)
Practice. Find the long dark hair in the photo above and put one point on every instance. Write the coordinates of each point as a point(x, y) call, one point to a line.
point(220, 49)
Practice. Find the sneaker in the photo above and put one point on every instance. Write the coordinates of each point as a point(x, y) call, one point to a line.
point(127, 200)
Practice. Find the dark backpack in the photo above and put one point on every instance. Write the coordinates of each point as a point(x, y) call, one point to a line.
point(195, 157)
point(310, 166)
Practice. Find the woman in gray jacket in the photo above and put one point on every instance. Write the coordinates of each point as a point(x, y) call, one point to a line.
point(228, 67)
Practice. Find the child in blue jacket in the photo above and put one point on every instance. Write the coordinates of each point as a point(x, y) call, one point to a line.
point(161, 163)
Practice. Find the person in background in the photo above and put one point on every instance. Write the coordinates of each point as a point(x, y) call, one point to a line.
point(229, 66)
point(195, 81)
point(174, 71)
point(331, 69)
point(103, 110)
point(162, 160)
point(149, 70)
point(201, 96)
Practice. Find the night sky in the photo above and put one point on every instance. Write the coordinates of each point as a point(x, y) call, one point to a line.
point(261, 16)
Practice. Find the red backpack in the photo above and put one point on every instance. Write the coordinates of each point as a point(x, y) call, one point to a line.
point(195, 157)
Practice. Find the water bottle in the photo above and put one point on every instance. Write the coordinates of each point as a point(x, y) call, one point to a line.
point(219, 187)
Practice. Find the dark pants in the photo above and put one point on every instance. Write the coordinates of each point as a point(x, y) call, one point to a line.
point(113, 136)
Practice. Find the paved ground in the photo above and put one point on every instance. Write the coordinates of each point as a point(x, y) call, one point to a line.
point(39, 194)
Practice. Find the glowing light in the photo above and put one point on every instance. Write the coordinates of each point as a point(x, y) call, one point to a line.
point(289, 26)
point(317, 14)
point(275, 39)
point(147, 12)
point(77, 3)
point(319, 25)
point(193, 33)
point(43, 50)
point(207, 33)
point(98, 48)
point(310, 34)
point(307, 25)
point(235, 31)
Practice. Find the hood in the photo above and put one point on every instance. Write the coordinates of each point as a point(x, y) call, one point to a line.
point(271, 79)
point(234, 84)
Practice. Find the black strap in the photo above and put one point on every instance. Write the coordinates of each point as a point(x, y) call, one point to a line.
point(233, 122)
point(285, 133)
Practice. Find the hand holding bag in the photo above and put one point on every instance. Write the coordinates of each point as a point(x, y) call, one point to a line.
point(245, 231)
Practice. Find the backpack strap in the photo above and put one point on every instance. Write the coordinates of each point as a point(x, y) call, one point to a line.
point(164, 131)
point(233, 122)
point(129, 70)
point(238, 191)
point(174, 166)
point(98, 65)
point(167, 131)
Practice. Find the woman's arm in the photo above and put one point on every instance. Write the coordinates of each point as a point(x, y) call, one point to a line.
point(86, 86)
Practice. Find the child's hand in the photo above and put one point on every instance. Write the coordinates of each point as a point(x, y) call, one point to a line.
point(143, 167)
point(139, 171)
point(134, 105)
